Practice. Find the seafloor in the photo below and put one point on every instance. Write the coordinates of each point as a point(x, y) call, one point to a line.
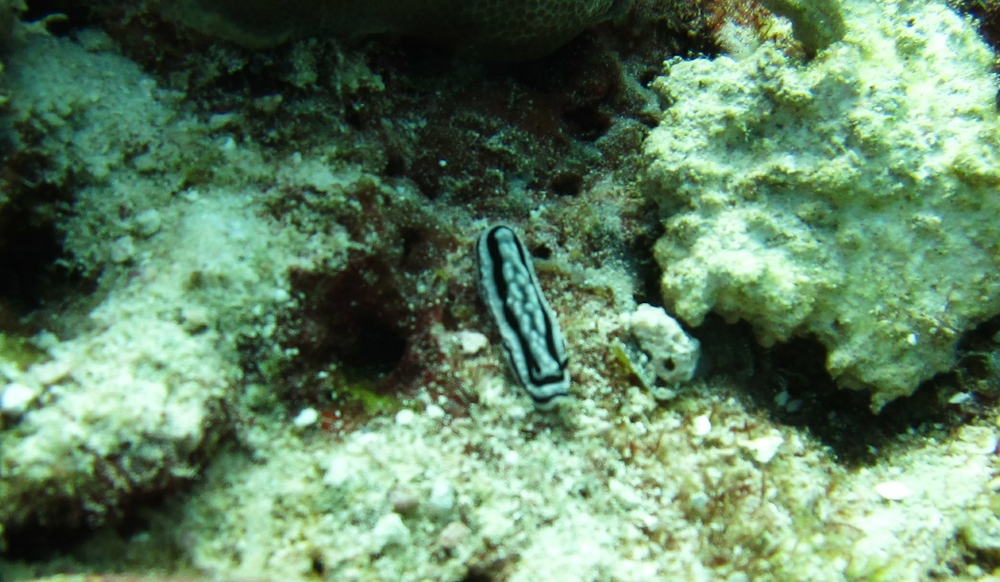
point(241, 335)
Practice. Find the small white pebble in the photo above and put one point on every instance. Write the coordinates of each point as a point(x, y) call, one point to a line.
point(389, 531)
point(403, 500)
point(442, 498)
point(148, 222)
point(698, 501)
point(195, 318)
point(763, 448)
point(662, 393)
point(45, 340)
point(122, 249)
point(339, 471)
point(453, 535)
point(959, 398)
point(221, 120)
point(16, 398)
point(471, 342)
point(893, 490)
point(405, 416)
point(307, 417)
point(280, 295)
point(434, 411)
point(701, 425)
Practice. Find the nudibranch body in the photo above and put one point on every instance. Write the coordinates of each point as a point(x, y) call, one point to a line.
point(530, 333)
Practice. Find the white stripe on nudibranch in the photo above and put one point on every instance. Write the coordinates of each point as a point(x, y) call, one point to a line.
point(528, 327)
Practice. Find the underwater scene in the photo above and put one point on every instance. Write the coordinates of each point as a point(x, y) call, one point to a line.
point(499, 291)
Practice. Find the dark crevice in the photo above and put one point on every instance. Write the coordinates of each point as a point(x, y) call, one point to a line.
point(790, 382)
point(476, 575)
point(567, 184)
point(32, 272)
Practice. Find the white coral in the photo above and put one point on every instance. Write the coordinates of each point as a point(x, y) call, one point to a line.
point(673, 353)
point(852, 198)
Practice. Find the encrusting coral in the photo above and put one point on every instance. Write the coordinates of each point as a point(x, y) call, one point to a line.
point(505, 31)
point(852, 198)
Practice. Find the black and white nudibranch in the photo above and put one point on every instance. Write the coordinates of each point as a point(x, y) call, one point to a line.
point(530, 333)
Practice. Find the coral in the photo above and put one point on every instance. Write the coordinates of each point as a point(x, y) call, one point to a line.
point(851, 198)
point(670, 354)
point(512, 30)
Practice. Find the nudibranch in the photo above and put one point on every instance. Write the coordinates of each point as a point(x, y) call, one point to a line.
point(532, 340)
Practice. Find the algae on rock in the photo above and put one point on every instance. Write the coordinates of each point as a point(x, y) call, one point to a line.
point(853, 198)
point(132, 394)
point(817, 23)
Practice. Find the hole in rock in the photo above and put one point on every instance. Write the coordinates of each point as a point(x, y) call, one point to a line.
point(344, 347)
point(31, 275)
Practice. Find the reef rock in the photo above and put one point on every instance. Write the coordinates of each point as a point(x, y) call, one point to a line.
point(853, 198)
point(504, 31)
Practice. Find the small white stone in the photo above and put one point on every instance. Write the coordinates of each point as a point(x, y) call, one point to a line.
point(405, 416)
point(442, 498)
point(959, 398)
point(453, 535)
point(662, 393)
point(434, 411)
point(701, 425)
point(471, 342)
point(306, 417)
point(698, 501)
point(403, 500)
point(280, 295)
point(195, 318)
point(893, 490)
point(122, 249)
point(338, 471)
point(763, 448)
point(148, 222)
point(16, 398)
point(389, 531)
